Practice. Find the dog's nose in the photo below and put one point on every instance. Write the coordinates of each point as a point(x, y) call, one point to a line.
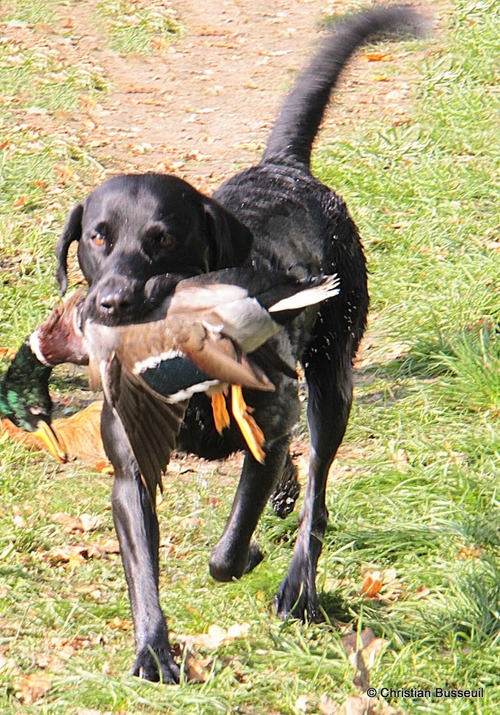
point(114, 302)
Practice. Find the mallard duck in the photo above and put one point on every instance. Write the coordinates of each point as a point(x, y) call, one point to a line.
point(24, 391)
point(208, 336)
point(197, 340)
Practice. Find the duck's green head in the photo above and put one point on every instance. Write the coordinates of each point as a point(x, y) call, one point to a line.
point(25, 398)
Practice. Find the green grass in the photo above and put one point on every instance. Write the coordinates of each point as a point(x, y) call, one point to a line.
point(414, 492)
point(136, 26)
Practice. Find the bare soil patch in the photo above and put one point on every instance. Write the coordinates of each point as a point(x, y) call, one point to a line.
point(203, 107)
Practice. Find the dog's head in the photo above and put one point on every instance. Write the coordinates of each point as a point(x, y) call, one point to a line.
point(136, 230)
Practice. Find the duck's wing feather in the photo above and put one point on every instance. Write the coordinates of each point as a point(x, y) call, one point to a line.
point(181, 354)
point(151, 424)
point(221, 359)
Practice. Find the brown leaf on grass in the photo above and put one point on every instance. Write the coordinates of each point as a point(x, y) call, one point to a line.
point(363, 705)
point(381, 585)
point(8, 353)
point(32, 687)
point(354, 642)
point(120, 624)
point(376, 57)
point(327, 705)
point(8, 664)
point(372, 584)
point(356, 705)
point(363, 650)
point(422, 592)
point(302, 704)
point(470, 552)
point(217, 635)
point(72, 555)
point(65, 173)
point(110, 546)
point(65, 648)
point(196, 667)
point(73, 524)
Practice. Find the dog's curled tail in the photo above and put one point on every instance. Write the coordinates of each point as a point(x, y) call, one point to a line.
point(303, 109)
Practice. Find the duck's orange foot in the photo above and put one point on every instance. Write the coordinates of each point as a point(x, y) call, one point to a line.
point(219, 410)
point(254, 437)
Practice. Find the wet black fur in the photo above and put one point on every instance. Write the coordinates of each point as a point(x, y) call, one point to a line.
point(289, 221)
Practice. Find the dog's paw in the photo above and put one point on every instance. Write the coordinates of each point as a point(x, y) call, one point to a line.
point(255, 556)
point(226, 566)
point(156, 665)
point(297, 598)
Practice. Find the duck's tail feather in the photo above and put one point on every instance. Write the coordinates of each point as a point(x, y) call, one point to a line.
point(327, 288)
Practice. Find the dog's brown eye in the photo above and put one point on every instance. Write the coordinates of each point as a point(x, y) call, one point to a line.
point(160, 238)
point(165, 240)
point(97, 238)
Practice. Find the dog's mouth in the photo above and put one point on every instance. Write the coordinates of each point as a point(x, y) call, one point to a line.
point(122, 302)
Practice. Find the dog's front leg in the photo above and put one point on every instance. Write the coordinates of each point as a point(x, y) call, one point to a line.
point(136, 525)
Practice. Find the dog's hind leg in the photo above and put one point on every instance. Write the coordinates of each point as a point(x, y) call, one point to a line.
point(235, 554)
point(329, 403)
point(287, 490)
point(136, 525)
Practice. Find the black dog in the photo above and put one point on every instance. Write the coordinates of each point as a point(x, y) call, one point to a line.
point(138, 234)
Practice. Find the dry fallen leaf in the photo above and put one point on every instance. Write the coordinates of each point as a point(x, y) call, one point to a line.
point(376, 57)
point(327, 705)
point(422, 592)
point(215, 636)
point(8, 664)
point(120, 624)
point(110, 546)
point(72, 555)
point(8, 353)
point(470, 552)
point(357, 705)
point(302, 703)
point(381, 585)
point(363, 650)
point(196, 669)
point(73, 524)
point(372, 584)
point(32, 687)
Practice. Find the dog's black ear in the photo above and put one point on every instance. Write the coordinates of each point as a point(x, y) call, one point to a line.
point(72, 232)
point(230, 241)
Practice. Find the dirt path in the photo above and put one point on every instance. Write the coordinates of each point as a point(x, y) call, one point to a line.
point(205, 105)
point(203, 108)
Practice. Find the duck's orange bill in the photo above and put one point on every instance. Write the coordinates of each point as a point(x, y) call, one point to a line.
point(49, 437)
point(254, 437)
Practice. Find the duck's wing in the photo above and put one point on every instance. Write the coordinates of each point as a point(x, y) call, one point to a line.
point(151, 424)
point(183, 354)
